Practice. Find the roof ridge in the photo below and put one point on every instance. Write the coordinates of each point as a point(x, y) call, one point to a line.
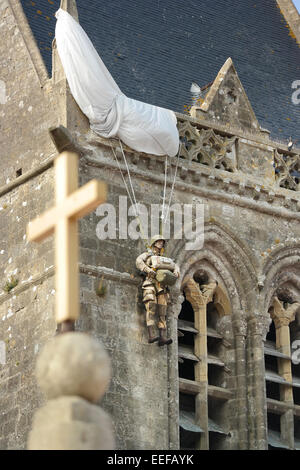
point(292, 17)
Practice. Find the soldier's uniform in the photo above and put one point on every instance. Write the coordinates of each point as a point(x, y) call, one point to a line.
point(155, 294)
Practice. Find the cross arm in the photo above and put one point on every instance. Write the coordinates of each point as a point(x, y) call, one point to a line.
point(75, 206)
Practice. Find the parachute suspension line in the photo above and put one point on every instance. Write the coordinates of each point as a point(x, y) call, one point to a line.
point(172, 188)
point(134, 204)
point(133, 193)
point(128, 172)
point(132, 198)
point(164, 196)
point(124, 181)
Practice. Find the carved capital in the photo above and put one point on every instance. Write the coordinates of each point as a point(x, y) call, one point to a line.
point(192, 292)
point(176, 303)
point(279, 322)
point(282, 313)
point(259, 324)
point(199, 297)
point(239, 327)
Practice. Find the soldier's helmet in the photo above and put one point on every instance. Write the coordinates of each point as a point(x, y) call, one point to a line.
point(156, 238)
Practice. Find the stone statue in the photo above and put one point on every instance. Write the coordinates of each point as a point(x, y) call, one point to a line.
point(161, 272)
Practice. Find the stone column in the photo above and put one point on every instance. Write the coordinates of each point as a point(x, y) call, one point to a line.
point(73, 371)
point(257, 399)
point(173, 392)
point(240, 332)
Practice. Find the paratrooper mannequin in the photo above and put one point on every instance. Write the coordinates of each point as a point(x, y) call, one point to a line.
point(161, 272)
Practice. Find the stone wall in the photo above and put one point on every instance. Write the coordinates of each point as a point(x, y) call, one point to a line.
point(246, 232)
point(249, 223)
point(28, 106)
point(251, 245)
point(30, 103)
point(26, 311)
point(27, 109)
point(139, 388)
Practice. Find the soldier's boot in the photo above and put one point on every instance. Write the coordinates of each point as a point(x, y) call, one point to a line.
point(151, 332)
point(150, 316)
point(163, 337)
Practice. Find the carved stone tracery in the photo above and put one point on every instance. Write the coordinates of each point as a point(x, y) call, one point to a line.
point(206, 147)
point(287, 171)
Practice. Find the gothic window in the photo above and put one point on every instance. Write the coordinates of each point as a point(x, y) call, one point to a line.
point(282, 378)
point(190, 430)
point(203, 390)
point(295, 356)
point(272, 376)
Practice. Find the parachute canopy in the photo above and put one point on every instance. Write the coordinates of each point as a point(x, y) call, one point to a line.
point(143, 127)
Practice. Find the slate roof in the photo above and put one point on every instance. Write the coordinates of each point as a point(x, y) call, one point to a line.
point(154, 50)
point(40, 16)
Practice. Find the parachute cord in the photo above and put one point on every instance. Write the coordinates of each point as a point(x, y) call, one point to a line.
point(173, 185)
point(128, 172)
point(129, 195)
point(133, 198)
point(124, 181)
point(164, 193)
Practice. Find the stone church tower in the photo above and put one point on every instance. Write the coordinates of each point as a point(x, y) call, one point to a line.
point(231, 378)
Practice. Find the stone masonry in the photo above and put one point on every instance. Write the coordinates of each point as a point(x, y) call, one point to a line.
point(251, 246)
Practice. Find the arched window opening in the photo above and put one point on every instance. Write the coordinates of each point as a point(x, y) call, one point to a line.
point(282, 375)
point(271, 335)
point(271, 365)
point(295, 357)
point(202, 370)
point(186, 334)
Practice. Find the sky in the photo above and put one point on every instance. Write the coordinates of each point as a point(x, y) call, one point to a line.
point(297, 4)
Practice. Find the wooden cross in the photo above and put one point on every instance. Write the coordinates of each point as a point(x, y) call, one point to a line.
point(71, 204)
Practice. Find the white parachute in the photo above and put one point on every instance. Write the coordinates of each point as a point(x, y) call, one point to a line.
point(141, 126)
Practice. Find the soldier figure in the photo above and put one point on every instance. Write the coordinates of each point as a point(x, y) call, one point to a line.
point(160, 273)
